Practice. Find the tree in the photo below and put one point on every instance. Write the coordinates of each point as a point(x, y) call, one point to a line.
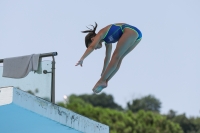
point(147, 103)
point(171, 114)
point(188, 125)
point(123, 121)
point(101, 100)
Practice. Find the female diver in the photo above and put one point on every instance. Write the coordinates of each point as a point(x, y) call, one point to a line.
point(127, 36)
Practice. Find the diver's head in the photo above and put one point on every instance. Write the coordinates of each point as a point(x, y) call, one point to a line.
point(90, 36)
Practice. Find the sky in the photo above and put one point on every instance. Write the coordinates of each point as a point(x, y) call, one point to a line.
point(164, 64)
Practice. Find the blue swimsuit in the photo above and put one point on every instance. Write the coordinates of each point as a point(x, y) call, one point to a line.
point(115, 32)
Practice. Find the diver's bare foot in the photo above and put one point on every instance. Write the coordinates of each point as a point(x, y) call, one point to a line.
point(100, 85)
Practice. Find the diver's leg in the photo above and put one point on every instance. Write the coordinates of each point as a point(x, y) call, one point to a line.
point(120, 61)
point(124, 43)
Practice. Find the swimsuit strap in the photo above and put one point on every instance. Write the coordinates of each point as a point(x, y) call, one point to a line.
point(107, 31)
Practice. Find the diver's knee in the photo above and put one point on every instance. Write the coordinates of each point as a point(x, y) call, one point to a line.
point(116, 57)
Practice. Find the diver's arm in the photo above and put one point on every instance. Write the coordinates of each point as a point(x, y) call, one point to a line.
point(92, 46)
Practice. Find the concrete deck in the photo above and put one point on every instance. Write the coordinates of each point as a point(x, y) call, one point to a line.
point(21, 112)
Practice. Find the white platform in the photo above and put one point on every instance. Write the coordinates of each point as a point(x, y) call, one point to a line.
point(21, 112)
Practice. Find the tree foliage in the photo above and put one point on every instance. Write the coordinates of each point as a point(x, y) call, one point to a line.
point(123, 121)
point(189, 125)
point(141, 116)
point(147, 103)
point(101, 100)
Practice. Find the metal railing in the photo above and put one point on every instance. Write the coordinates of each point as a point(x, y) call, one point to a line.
point(52, 54)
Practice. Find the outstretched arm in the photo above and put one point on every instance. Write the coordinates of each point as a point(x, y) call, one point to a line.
point(107, 57)
point(92, 46)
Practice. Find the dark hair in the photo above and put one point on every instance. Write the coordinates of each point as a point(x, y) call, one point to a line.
point(90, 34)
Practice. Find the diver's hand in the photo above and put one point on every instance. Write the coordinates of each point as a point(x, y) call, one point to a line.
point(80, 62)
